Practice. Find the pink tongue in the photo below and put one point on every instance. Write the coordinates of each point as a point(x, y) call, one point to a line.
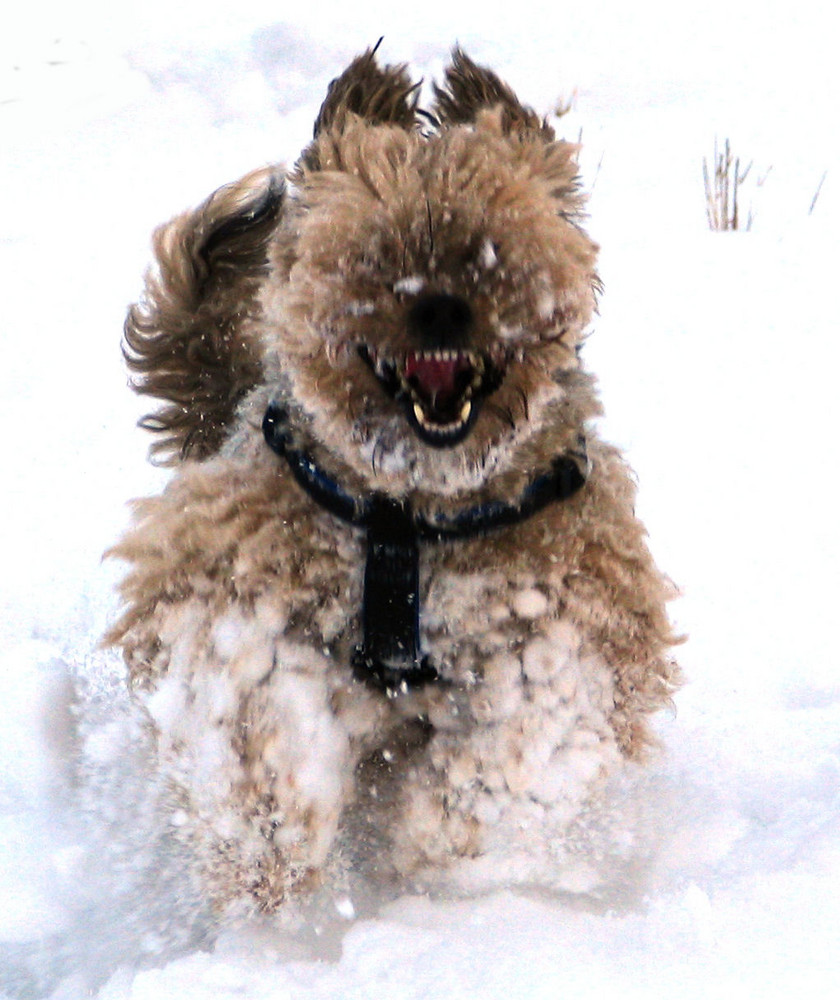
point(436, 378)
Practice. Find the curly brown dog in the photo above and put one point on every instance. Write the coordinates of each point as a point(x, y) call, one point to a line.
point(395, 588)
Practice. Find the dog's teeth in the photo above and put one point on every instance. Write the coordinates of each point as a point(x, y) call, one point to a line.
point(418, 413)
point(466, 409)
point(448, 355)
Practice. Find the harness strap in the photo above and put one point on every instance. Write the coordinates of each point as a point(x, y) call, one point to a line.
point(389, 657)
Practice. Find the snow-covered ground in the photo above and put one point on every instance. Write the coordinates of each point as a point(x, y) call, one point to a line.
point(716, 354)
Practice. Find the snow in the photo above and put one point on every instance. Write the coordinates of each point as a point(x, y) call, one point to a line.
point(714, 353)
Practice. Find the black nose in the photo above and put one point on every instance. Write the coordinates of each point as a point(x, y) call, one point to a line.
point(440, 320)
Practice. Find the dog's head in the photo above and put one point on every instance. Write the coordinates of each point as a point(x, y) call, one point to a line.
point(416, 299)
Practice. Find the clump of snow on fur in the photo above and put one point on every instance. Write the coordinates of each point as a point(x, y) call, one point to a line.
point(412, 285)
point(487, 257)
point(546, 304)
point(361, 308)
point(530, 603)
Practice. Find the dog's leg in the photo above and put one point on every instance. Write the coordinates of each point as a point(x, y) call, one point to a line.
point(513, 760)
point(262, 769)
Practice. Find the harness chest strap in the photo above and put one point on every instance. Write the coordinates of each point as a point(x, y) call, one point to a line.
point(389, 657)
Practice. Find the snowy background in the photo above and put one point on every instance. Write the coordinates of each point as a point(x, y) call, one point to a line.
point(716, 354)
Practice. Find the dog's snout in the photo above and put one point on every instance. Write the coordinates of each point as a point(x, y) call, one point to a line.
point(440, 320)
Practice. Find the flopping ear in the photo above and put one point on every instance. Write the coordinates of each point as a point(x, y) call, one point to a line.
point(187, 341)
point(469, 89)
point(379, 95)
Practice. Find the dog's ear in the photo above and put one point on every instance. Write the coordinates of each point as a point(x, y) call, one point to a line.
point(469, 88)
point(379, 95)
point(472, 94)
point(187, 341)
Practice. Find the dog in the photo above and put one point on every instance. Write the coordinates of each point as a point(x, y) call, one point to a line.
point(395, 593)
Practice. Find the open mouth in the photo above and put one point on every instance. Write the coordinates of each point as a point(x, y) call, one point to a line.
point(440, 390)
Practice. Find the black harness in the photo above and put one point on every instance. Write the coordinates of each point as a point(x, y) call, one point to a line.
point(389, 657)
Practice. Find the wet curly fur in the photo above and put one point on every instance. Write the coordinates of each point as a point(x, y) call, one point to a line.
point(413, 296)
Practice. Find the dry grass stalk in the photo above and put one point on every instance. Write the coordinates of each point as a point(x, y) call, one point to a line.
point(817, 192)
point(722, 188)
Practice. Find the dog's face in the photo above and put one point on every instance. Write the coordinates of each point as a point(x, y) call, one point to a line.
point(414, 300)
point(427, 294)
